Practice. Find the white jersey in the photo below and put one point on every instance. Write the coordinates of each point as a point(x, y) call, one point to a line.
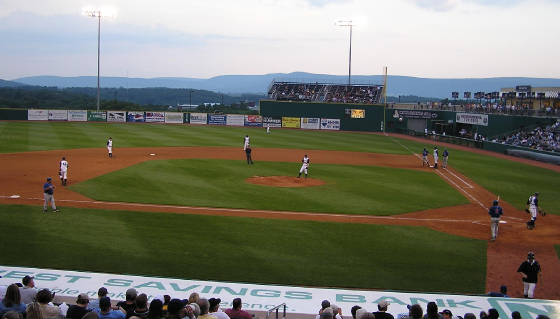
point(109, 143)
point(63, 165)
point(436, 155)
point(305, 161)
point(533, 201)
point(246, 142)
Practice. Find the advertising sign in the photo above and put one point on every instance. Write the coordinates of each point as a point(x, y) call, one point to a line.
point(475, 119)
point(135, 117)
point(174, 117)
point(155, 117)
point(412, 114)
point(37, 115)
point(330, 124)
point(235, 120)
point(272, 122)
point(97, 116)
point(77, 115)
point(293, 122)
point(253, 120)
point(116, 116)
point(310, 123)
point(58, 115)
point(215, 119)
point(198, 118)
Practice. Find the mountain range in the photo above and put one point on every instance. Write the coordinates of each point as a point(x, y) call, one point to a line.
point(259, 84)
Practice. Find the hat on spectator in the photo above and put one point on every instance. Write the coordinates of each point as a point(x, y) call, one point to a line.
point(214, 302)
point(102, 291)
point(82, 298)
point(132, 293)
point(383, 304)
point(26, 280)
point(325, 304)
point(174, 306)
point(447, 312)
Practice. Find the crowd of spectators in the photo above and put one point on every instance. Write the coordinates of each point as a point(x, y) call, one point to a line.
point(541, 138)
point(495, 108)
point(320, 92)
point(26, 301)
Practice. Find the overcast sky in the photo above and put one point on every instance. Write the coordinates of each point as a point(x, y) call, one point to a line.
point(205, 38)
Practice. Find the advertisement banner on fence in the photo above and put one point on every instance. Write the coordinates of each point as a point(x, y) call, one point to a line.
point(198, 118)
point(97, 116)
point(37, 115)
point(135, 116)
point(412, 114)
point(174, 117)
point(235, 120)
point(77, 115)
point(58, 115)
point(253, 120)
point(310, 123)
point(272, 122)
point(330, 124)
point(475, 119)
point(155, 117)
point(214, 119)
point(293, 122)
point(116, 116)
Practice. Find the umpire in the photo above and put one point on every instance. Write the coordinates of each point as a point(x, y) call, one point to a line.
point(495, 213)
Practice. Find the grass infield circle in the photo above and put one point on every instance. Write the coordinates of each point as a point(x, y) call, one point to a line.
point(284, 181)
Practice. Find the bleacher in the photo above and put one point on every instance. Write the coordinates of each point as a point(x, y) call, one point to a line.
point(324, 92)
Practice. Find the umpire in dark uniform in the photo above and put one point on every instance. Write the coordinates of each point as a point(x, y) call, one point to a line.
point(530, 270)
point(248, 154)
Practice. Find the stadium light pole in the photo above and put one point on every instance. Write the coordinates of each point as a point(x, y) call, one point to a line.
point(98, 13)
point(348, 23)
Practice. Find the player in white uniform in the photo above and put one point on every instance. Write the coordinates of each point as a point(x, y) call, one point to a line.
point(63, 171)
point(436, 153)
point(304, 166)
point(246, 142)
point(110, 147)
point(533, 207)
point(267, 128)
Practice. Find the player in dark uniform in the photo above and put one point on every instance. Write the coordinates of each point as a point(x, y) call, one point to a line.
point(495, 213)
point(530, 270)
point(445, 157)
point(425, 158)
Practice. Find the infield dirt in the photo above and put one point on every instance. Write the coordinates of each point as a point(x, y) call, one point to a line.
point(24, 173)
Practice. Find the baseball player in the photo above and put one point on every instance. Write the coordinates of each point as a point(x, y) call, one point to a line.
point(248, 154)
point(63, 171)
point(445, 157)
point(495, 213)
point(246, 142)
point(267, 128)
point(533, 209)
point(304, 166)
point(436, 153)
point(530, 270)
point(48, 193)
point(110, 146)
point(425, 158)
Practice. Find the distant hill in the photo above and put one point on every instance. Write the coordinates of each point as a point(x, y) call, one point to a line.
point(4, 83)
point(258, 84)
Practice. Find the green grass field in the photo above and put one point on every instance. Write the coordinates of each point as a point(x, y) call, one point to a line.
point(557, 247)
point(221, 183)
point(243, 249)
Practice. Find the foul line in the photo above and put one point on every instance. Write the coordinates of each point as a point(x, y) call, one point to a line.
point(247, 210)
point(459, 178)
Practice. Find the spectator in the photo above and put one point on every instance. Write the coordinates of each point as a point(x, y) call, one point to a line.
point(175, 309)
point(415, 312)
point(106, 312)
point(493, 313)
point(215, 308)
point(382, 310)
point(326, 313)
point(194, 297)
point(140, 307)
point(94, 304)
point(432, 311)
point(446, 314)
point(353, 311)
point(156, 309)
point(542, 317)
point(129, 304)
point(514, 315)
point(28, 292)
point(80, 309)
point(337, 312)
point(12, 301)
point(360, 313)
point(193, 310)
point(502, 293)
point(236, 313)
point(41, 308)
point(204, 309)
point(469, 315)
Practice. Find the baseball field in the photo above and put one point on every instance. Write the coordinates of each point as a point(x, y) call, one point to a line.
point(181, 201)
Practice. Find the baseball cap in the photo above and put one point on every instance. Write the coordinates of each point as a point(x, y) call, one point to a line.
point(102, 291)
point(214, 302)
point(495, 202)
point(447, 312)
point(174, 306)
point(383, 304)
point(49, 179)
point(82, 297)
point(531, 255)
point(325, 304)
point(26, 280)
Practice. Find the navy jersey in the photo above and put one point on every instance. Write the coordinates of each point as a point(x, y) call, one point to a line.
point(424, 153)
point(47, 188)
point(495, 211)
point(445, 153)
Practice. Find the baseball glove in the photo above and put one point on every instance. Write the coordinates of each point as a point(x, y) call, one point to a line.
point(527, 210)
point(543, 213)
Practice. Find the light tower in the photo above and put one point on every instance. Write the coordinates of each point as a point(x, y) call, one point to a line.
point(348, 23)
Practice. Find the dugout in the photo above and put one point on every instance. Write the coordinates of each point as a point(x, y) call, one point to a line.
point(353, 117)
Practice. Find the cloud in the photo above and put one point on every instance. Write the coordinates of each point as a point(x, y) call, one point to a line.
point(447, 5)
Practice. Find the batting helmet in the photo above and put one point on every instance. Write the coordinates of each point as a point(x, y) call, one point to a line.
point(531, 255)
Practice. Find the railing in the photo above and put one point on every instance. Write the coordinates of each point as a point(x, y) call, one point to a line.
point(275, 309)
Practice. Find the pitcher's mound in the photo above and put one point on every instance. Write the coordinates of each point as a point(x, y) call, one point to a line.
point(284, 181)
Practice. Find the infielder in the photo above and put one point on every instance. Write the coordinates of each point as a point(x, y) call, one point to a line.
point(425, 158)
point(110, 146)
point(246, 142)
point(48, 193)
point(436, 153)
point(495, 213)
point(63, 171)
point(533, 209)
point(267, 128)
point(445, 157)
point(304, 166)
point(530, 270)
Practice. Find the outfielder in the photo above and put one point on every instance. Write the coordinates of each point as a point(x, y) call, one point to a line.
point(425, 158)
point(267, 128)
point(436, 153)
point(246, 142)
point(110, 146)
point(63, 171)
point(495, 213)
point(304, 166)
point(533, 209)
point(48, 193)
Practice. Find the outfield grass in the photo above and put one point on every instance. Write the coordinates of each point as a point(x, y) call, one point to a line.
point(33, 136)
point(221, 183)
point(557, 247)
point(513, 181)
point(243, 249)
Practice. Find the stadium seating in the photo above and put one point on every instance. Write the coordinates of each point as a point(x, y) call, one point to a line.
point(322, 92)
